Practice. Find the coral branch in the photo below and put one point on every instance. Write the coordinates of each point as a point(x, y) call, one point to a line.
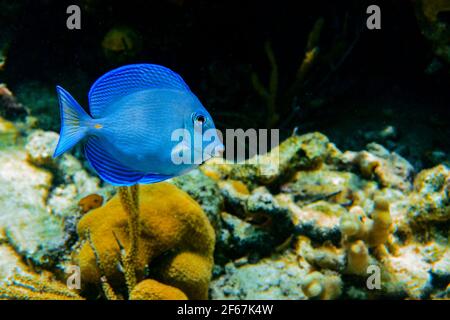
point(129, 198)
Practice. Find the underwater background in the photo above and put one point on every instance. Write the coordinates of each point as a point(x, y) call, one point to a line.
point(363, 181)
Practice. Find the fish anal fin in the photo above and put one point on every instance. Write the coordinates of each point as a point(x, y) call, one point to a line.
point(107, 167)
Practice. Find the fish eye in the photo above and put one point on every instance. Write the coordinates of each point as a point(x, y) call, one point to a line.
point(197, 117)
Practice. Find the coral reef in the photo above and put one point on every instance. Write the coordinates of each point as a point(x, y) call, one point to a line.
point(262, 223)
point(175, 246)
point(311, 228)
point(389, 169)
point(351, 211)
point(205, 191)
point(430, 199)
point(303, 221)
point(277, 277)
point(39, 197)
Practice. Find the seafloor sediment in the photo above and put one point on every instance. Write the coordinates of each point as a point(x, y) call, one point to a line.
point(310, 227)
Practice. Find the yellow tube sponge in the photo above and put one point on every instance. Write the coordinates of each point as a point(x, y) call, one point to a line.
point(374, 231)
point(154, 290)
point(357, 258)
point(176, 241)
point(354, 223)
point(317, 285)
point(382, 223)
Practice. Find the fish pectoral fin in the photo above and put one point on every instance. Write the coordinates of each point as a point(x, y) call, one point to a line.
point(107, 167)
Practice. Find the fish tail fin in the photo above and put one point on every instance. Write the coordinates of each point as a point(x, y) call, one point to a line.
point(74, 122)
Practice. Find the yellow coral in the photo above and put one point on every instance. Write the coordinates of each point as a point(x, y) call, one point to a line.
point(31, 286)
point(322, 286)
point(9, 134)
point(355, 225)
point(176, 241)
point(240, 187)
point(381, 227)
point(154, 290)
point(357, 258)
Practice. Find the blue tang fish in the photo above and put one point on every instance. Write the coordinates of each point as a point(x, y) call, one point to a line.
point(134, 112)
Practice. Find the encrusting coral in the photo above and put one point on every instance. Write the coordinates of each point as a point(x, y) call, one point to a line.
point(175, 243)
point(431, 200)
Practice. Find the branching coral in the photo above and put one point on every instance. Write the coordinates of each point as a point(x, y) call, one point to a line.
point(431, 17)
point(311, 52)
point(129, 197)
point(175, 246)
point(269, 94)
point(30, 286)
point(277, 105)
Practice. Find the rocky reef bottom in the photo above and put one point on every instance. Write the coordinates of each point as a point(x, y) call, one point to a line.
point(305, 221)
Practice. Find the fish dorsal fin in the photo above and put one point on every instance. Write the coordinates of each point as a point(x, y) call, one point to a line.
point(125, 80)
